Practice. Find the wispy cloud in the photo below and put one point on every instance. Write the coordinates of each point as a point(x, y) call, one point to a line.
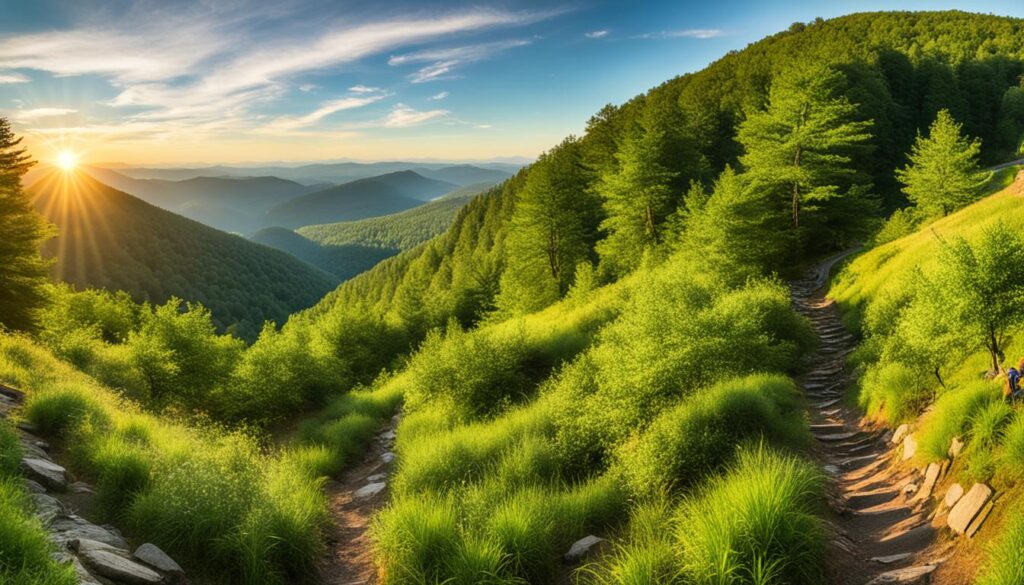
point(363, 89)
point(693, 33)
point(13, 78)
point(403, 116)
point(444, 62)
point(439, 96)
point(597, 34)
point(307, 87)
point(37, 113)
point(326, 109)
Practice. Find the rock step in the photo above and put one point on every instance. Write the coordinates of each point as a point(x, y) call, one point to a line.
point(868, 500)
point(919, 575)
point(912, 539)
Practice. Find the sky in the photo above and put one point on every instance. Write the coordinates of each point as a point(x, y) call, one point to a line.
point(166, 82)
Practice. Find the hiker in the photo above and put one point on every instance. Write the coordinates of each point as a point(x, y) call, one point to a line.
point(1013, 378)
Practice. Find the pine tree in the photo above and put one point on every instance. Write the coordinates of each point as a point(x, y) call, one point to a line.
point(552, 229)
point(798, 149)
point(637, 199)
point(22, 270)
point(943, 174)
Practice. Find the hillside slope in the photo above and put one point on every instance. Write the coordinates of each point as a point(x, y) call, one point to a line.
point(112, 240)
point(374, 196)
point(398, 231)
point(343, 261)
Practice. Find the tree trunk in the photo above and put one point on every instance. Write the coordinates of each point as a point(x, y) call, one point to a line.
point(993, 350)
point(938, 377)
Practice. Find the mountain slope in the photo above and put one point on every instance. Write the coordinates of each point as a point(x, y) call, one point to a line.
point(233, 204)
point(343, 261)
point(399, 231)
point(381, 195)
point(112, 240)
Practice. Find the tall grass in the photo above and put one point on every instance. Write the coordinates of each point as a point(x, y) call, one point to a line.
point(951, 417)
point(1002, 565)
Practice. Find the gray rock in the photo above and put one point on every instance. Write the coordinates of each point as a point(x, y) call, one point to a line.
point(28, 427)
point(387, 457)
point(968, 507)
point(80, 487)
point(70, 528)
point(47, 508)
point(84, 576)
point(151, 555)
point(931, 475)
point(388, 435)
point(33, 449)
point(108, 563)
point(371, 489)
point(890, 559)
point(831, 469)
point(899, 434)
point(48, 473)
point(909, 447)
point(956, 446)
point(908, 576)
point(34, 487)
point(585, 547)
point(376, 477)
point(953, 495)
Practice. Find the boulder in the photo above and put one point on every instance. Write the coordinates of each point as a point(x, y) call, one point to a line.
point(48, 473)
point(931, 475)
point(953, 495)
point(151, 555)
point(107, 562)
point(84, 576)
point(956, 446)
point(584, 548)
point(908, 576)
point(34, 487)
point(909, 447)
point(900, 432)
point(70, 528)
point(371, 489)
point(47, 508)
point(967, 508)
point(975, 524)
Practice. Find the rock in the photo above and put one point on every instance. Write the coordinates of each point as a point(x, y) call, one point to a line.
point(376, 477)
point(909, 488)
point(931, 475)
point(84, 576)
point(80, 487)
point(369, 490)
point(109, 563)
point(887, 437)
point(585, 547)
point(151, 555)
point(388, 435)
point(12, 393)
point(47, 508)
point(396, 419)
point(34, 487)
point(70, 528)
point(900, 433)
point(956, 446)
point(387, 457)
point(28, 427)
point(975, 524)
point(967, 508)
point(33, 449)
point(48, 473)
point(890, 559)
point(953, 495)
point(909, 447)
point(909, 575)
point(831, 469)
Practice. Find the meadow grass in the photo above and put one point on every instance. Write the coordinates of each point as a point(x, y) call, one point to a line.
point(951, 417)
point(212, 499)
point(1002, 565)
point(894, 392)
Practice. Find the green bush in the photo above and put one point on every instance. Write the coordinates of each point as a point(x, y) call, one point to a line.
point(951, 417)
point(894, 392)
point(647, 554)
point(25, 546)
point(61, 411)
point(755, 524)
point(414, 537)
point(984, 436)
point(687, 443)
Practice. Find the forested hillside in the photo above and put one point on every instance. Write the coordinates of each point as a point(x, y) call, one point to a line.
point(342, 260)
point(374, 196)
point(111, 240)
point(398, 231)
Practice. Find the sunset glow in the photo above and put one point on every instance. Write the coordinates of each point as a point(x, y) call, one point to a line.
point(67, 160)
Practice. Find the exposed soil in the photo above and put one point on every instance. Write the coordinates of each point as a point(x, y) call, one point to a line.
point(880, 522)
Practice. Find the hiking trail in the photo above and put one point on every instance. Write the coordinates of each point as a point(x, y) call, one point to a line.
point(881, 532)
point(352, 500)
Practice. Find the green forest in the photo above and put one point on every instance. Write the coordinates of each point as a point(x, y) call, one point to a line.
point(606, 343)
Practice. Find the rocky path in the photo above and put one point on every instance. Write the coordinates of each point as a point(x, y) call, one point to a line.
point(882, 532)
point(352, 500)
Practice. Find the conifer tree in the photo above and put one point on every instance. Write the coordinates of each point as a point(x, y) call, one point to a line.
point(552, 229)
point(943, 174)
point(637, 199)
point(22, 231)
point(798, 149)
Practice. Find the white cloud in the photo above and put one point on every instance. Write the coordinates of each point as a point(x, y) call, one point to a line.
point(693, 33)
point(13, 78)
point(597, 34)
point(443, 62)
point(439, 96)
point(328, 108)
point(402, 116)
point(363, 89)
point(37, 113)
point(307, 87)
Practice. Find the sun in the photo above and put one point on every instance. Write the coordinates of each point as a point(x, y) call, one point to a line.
point(67, 160)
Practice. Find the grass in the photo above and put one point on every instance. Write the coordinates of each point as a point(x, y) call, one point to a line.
point(952, 417)
point(894, 393)
point(214, 500)
point(25, 546)
point(1002, 565)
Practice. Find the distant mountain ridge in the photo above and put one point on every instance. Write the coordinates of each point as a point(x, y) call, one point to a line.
point(110, 239)
point(343, 261)
point(370, 197)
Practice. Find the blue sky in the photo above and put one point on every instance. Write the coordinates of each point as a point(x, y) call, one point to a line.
point(165, 82)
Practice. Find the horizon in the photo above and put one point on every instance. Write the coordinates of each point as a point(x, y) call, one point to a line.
point(450, 82)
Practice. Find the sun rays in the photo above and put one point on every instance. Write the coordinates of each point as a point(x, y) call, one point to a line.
point(67, 160)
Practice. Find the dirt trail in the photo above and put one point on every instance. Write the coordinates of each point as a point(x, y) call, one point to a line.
point(352, 500)
point(881, 530)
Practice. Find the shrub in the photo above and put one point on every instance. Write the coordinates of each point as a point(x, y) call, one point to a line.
point(694, 439)
point(894, 392)
point(647, 554)
point(951, 417)
point(1012, 455)
point(413, 538)
point(60, 411)
point(984, 436)
point(755, 524)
